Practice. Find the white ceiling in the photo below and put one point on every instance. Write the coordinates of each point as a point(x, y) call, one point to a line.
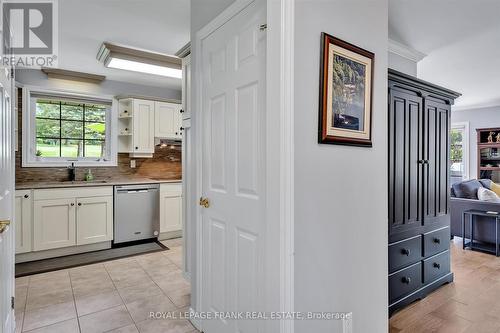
point(462, 41)
point(155, 25)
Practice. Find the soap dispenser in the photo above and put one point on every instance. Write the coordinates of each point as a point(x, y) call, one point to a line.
point(89, 176)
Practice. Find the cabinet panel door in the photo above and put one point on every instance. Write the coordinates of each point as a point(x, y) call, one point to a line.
point(54, 224)
point(23, 223)
point(436, 182)
point(167, 120)
point(405, 155)
point(170, 212)
point(94, 220)
point(143, 126)
point(186, 87)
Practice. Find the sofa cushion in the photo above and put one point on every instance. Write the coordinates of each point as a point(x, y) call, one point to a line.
point(486, 183)
point(484, 194)
point(467, 189)
point(495, 188)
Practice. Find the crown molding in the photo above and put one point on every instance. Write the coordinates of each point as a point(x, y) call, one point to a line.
point(405, 51)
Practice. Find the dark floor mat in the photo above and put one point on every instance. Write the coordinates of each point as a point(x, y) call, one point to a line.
point(53, 264)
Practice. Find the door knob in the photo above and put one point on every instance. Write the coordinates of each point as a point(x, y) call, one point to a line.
point(204, 202)
point(4, 225)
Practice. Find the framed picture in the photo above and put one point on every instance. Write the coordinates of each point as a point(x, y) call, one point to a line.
point(345, 107)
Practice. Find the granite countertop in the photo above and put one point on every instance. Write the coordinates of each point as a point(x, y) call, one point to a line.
point(97, 182)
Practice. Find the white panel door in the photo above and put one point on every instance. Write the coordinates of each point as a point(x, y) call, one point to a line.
point(143, 126)
point(167, 120)
point(94, 220)
point(23, 223)
point(233, 170)
point(7, 237)
point(54, 224)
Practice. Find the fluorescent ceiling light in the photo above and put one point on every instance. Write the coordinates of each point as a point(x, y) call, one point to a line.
point(136, 66)
point(138, 60)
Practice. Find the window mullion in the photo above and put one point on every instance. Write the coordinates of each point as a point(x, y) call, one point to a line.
point(60, 129)
point(83, 142)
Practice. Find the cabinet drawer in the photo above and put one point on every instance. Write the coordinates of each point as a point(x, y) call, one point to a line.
point(436, 241)
point(405, 281)
point(436, 266)
point(404, 253)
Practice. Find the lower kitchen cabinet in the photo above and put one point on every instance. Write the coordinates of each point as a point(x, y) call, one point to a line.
point(23, 221)
point(94, 220)
point(54, 224)
point(170, 208)
point(72, 216)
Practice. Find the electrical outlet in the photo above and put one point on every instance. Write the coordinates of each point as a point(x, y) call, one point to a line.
point(132, 164)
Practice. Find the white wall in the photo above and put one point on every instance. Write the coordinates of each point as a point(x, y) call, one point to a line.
point(107, 87)
point(477, 118)
point(340, 192)
point(402, 64)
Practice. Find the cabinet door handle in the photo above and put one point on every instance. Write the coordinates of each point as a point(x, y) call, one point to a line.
point(406, 252)
point(438, 266)
point(181, 128)
point(406, 280)
point(181, 111)
point(421, 161)
point(79, 204)
point(26, 196)
point(437, 240)
point(136, 148)
point(72, 204)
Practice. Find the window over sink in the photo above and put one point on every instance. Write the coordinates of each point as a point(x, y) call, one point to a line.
point(60, 129)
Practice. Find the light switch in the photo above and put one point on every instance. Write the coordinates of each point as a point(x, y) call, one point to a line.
point(132, 164)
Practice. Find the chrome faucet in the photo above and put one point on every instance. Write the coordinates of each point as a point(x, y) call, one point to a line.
point(72, 172)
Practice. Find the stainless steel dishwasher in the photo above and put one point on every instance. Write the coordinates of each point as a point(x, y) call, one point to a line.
point(136, 212)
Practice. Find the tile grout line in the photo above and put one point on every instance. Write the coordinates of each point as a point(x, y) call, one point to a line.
point(74, 301)
point(25, 304)
point(118, 292)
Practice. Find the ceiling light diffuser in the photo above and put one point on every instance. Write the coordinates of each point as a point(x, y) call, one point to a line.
point(142, 61)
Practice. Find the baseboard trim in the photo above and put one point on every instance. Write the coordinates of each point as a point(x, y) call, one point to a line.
point(65, 251)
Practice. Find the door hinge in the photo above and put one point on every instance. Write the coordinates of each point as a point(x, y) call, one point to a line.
point(12, 302)
point(263, 27)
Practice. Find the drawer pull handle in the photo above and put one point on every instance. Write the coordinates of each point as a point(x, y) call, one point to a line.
point(437, 240)
point(406, 280)
point(438, 266)
point(26, 196)
point(406, 252)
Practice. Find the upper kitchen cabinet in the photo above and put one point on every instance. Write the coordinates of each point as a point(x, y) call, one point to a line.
point(136, 118)
point(168, 120)
point(143, 127)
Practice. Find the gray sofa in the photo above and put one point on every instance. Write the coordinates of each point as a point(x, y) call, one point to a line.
point(464, 197)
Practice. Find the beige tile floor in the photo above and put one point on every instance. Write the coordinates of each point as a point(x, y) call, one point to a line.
point(114, 296)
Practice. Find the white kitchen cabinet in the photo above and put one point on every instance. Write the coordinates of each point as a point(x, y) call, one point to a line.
point(72, 216)
point(170, 208)
point(54, 224)
point(168, 120)
point(94, 220)
point(143, 119)
point(23, 222)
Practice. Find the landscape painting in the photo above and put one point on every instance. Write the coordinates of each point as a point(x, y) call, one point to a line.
point(345, 96)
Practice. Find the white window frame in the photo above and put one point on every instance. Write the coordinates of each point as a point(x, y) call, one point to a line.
point(29, 160)
point(464, 125)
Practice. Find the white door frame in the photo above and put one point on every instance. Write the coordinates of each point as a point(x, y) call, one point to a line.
point(280, 171)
